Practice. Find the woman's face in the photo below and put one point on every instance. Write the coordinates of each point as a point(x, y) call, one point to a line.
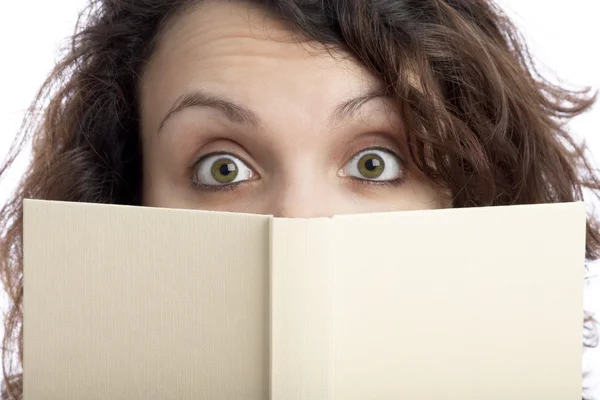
point(237, 115)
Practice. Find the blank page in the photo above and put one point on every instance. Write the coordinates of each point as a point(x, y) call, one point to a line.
point(145, 303)
point(301, 308)
point(460, 304)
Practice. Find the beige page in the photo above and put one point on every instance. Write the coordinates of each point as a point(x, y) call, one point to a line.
point(470, 304)
point(145, 303)
point(139, 303)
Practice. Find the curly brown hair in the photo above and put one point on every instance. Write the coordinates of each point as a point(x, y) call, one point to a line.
point(481, 122)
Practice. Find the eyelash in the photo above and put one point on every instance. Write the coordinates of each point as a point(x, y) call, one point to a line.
point(217, 188)
point(391, 183)
point(235, 185)
point(213, 188)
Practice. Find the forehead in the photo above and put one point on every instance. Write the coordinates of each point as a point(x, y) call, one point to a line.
point(238, 49)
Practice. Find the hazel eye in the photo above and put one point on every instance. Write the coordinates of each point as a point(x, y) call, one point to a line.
point(375, 165)
point(221, 170)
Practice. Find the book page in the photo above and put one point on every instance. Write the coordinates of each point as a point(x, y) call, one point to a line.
point(460, 304)
point(144, 303)
point(301, 308)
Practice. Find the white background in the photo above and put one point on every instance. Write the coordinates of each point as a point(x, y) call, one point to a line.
point(564, 37)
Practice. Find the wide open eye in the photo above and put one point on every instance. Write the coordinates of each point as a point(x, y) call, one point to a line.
point(375, 165)
point(220, 170)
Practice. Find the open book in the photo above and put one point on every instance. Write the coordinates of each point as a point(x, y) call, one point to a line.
point(146, 303)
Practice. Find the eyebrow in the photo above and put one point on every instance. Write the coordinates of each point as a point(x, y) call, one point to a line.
point(232, 111)
point(243, 115)
point(350, 107)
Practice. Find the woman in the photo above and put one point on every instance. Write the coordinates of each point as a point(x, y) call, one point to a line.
point(295, 109)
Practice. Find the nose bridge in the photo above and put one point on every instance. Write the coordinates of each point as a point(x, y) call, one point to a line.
point(302, 194)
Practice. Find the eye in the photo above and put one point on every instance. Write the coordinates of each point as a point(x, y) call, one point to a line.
point(220, 170)
point(375, 165)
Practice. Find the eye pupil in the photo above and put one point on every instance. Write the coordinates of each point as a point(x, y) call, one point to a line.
point(371, 166)
point(224, 170)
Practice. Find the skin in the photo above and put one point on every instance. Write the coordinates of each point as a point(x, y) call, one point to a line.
point(286, 129)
